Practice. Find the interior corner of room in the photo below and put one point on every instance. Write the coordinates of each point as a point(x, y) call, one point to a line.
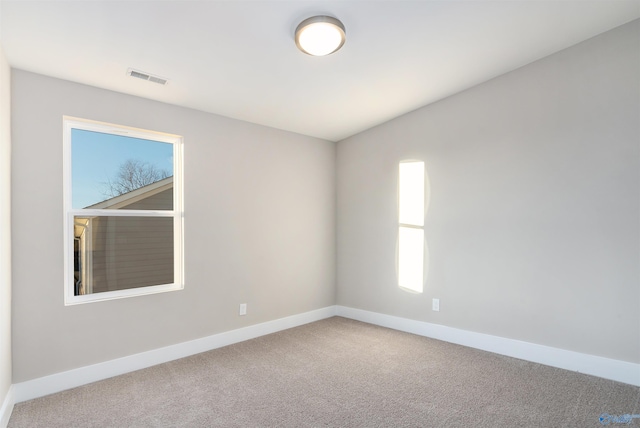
point(531, 222)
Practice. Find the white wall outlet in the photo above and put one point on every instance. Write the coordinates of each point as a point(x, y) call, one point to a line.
point(243, 309)
point(435, 305)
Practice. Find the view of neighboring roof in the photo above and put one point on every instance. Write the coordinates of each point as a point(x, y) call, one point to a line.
point(139, 194)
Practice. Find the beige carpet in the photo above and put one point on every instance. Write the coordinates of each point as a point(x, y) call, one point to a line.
point(338, 373)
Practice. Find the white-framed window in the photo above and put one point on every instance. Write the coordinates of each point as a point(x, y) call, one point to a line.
point(411, 214)
point(123, 211)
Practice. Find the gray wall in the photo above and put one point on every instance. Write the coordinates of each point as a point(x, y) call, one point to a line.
point(259, 229)
point(533, 224)
point(5, 228)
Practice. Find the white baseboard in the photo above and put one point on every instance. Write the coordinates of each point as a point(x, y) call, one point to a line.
point(607, 368)
point(81, 376)
point(7, 407)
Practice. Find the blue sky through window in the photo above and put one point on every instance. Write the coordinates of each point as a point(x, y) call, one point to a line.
point(96, 158)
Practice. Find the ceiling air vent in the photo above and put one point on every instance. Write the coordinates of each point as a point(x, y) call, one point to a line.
point(146, 76)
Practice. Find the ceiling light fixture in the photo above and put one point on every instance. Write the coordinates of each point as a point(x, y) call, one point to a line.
point(320, 35)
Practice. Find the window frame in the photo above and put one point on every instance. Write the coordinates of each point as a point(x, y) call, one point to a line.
point(416, 224)
point(70, 123)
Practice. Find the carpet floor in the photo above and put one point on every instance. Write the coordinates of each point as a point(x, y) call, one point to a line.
point(338, 373)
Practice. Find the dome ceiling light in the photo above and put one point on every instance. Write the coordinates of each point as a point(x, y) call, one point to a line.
point(320, 35)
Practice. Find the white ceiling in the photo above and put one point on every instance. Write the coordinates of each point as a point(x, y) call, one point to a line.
point(239, 59)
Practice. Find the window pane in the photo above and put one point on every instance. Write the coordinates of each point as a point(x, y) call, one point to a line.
point(411, 193)
point(410, 258)
point(118, 253)
point(119, 172)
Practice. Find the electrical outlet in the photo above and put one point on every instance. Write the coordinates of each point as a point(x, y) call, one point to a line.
point(435, 305)
point(243, 309)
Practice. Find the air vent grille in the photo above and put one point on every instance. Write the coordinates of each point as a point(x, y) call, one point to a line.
point(157, 80)
point(146, 76)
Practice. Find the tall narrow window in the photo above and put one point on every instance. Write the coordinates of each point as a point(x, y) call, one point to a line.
point(123, 211)
point(411, 210)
